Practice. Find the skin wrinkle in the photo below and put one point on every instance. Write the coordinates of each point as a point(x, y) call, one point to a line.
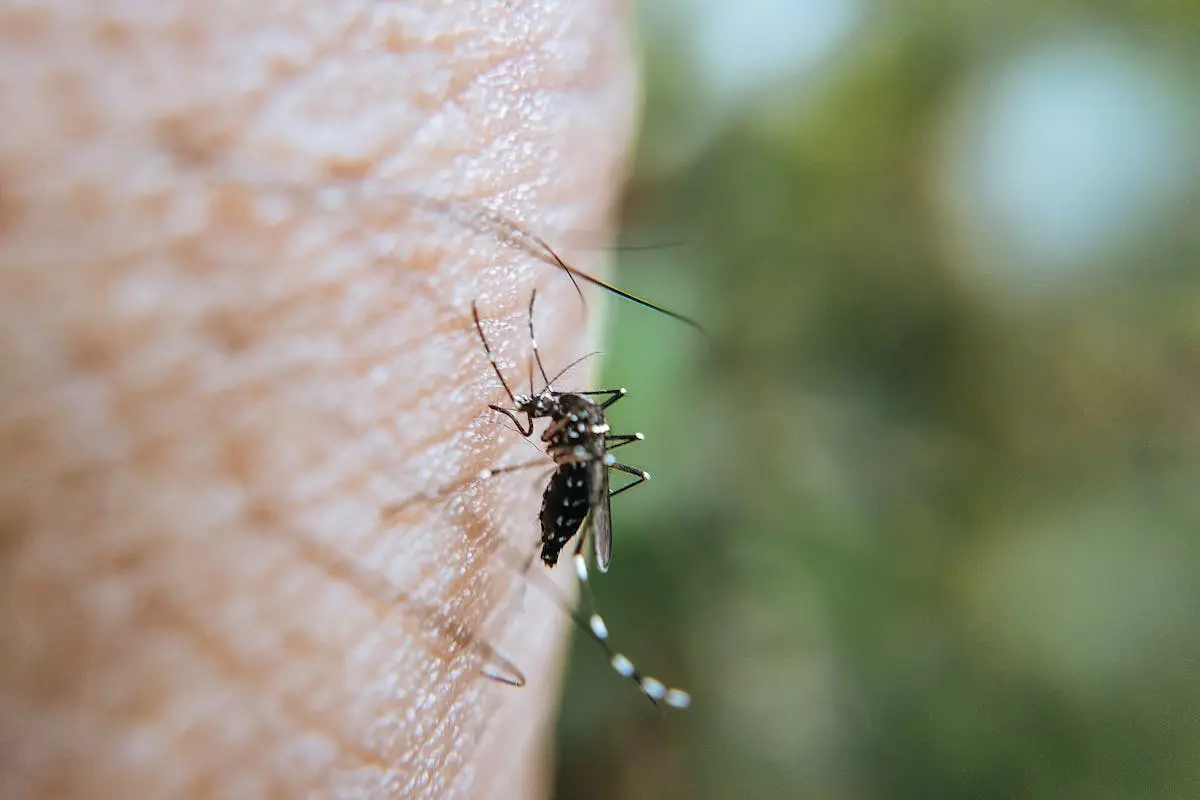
point(235, 669)
point(207, 401)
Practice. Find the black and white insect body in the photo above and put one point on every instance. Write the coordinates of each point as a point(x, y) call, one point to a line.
point(577, 499)
point(580, 441)
point(565, 505)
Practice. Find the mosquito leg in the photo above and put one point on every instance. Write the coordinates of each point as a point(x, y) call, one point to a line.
point(615, 395)
point(597, 630)
point(641, 477)
point(394, 509)
point(621, 440)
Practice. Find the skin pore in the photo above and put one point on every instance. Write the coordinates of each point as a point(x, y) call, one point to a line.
point(216, 373)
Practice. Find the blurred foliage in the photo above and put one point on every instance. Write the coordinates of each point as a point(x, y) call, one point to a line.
point(909, 535)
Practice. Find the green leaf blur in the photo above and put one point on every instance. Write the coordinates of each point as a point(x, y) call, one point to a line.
point(924, 520)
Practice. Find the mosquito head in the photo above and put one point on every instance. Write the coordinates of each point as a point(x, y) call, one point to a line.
point(542, 404)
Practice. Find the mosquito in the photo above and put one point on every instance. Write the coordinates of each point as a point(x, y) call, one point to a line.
point(576, 503)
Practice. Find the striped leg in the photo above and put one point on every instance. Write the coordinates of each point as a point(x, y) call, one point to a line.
point(594, 626)
point(598, 631)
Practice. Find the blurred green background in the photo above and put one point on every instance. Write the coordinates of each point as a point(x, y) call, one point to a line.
point(925, 518)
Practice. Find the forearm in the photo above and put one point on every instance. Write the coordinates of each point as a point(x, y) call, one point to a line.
point(207, 398)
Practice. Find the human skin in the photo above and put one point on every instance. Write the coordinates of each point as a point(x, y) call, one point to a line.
point(215, 376)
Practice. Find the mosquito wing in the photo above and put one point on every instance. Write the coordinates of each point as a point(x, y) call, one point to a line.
point(600, 513)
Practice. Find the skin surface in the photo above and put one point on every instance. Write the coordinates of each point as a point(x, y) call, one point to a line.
point(215, 375)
